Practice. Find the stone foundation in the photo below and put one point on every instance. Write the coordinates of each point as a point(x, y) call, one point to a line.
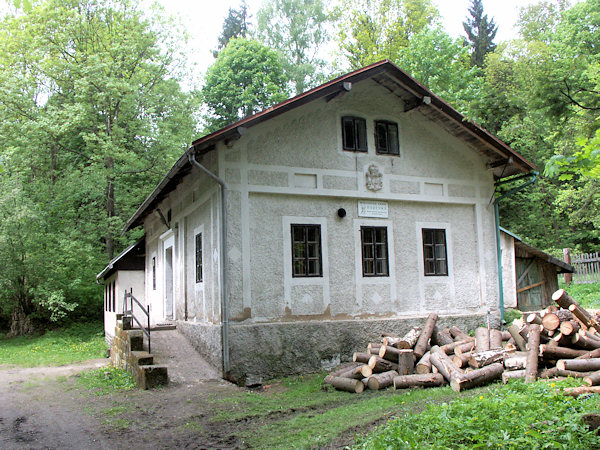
point(205, 338)
point(127, 352)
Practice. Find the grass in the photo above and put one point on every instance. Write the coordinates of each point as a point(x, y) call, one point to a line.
point(106, 380)
point(518, 415)
point(588, 294)
point(77, 342)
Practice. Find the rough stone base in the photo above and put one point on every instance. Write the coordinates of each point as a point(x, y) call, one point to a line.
point(205, 338)
point(278, 349)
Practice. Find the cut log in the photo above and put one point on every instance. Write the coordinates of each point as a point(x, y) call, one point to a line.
point(495, 339)
point(552, 308)
point(505, 335)
point(406, 362)
point(592, 379)
point(551, 321)
point(344, 368)
point(581, 390)
point(424, 364)
point(464, 348)
point(515, 362)
point(582, 340)
point(481, 359)
point(560, 339)
point(347, 384)
point(519, 341)
point(409, 339)
point(444, 365)
point(572, 373)
point(533, 345)
point(448, 349)
point(565, 301)
point(373, 348)
point(482, 339)
point(592, 354)
point(359, 372)
point(423, 341)
point(553, 353)
point(461, 360)
point(379, 365)
point(420, 380)
point(533, 318)
point(509, 375)
point(458, 334)
point(441, 337)
point(579, 365)
point(361, 357)
point(381, 380)
point(389, 353)
point(477, 377)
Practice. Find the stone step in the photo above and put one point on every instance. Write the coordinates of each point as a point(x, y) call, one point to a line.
point(141, 358)
point(151, 376)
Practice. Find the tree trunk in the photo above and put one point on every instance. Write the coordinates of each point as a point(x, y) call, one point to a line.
point(420, 380)
point(495, 339)
point(466, 345)
point(482, 339)
point(579, 365)
point(423, 341)
point(361, 357)
point(464, 348)
point(508, 375)
point(110, 208)
point(593, 379)
point(515, 362)
point(406, 362)
point(441, 337)
point(461, 360)
point(533, 318)
point(444, 365)
point(346, 384)
point(373, 348)
point(380, 365)
point(382, 380)
point(358, 372)
point(481, 359)
point(588, 355)
point(477, 377)
point(424, 364)
point(533, 345)
point(410, 339)
point(582, 340)
point(458, 334)
point(553, 353)
point(567, 302)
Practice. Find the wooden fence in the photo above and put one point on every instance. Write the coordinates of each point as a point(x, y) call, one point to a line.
point(587, 267)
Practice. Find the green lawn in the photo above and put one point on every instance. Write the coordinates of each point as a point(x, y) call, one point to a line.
point(588, 294)
point(77, 342)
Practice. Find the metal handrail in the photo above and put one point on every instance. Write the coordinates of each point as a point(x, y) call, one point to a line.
point(129, 313)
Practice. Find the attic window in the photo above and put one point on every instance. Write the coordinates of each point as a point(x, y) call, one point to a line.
point(354, 133)
point(386, 138)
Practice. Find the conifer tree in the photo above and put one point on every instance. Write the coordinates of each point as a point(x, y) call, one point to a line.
point(235, 26)
point(480, 33)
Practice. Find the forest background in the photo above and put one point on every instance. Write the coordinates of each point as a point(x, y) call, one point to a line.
point(97, 100)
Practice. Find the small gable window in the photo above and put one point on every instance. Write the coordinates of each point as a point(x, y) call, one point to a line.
point(386, 138)
point(354, 132)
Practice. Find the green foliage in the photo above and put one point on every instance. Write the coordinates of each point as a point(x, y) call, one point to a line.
point(480, 33)
point(106, 380)
point(296, 29)
point(246, 78)
point(511, 314)
point(77, 342)
point(518, 415)
point(587, 294)
point(372, 31)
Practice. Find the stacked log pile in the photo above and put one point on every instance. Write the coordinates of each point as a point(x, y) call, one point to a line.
point(561, 341)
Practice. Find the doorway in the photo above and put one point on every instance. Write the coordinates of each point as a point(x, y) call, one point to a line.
point(168, 300)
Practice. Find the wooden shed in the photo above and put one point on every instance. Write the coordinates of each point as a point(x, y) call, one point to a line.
point(530, 275)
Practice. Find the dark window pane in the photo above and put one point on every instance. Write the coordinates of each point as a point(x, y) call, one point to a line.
point(441, 267)
point(199, 258)
point(298, 234)
point(427, 237)
point(393, 146)
point(374, 251)
point(361, 135)
point(306, 250)
point(434, 252)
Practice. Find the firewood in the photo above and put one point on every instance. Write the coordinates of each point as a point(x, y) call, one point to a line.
point(593, 379)
point(406, 362)
point(346, 384)
point(441, 337)
point(579, 365)
point(533, 318)
point(515, 362)
point(592, 354)
point(345, 368)
point(581, 390)
point(443, 363)
point(495, 339)
point(361, 357)
point(560, 339)
point(533, 345)
point(419, 380)
point(481, 359)
point(550, 372)
point(458, 334)
point(461, 360)
point(409, 339)
point(448, 349)
point(582, 340)
point(482, 339)
point(379, 365)
point(592, 335)
point(559, 352)
point(567, 302)
point(552, 308)
point(389, 353)
point(572, 373)
point(519, 341)
point(477, 377)
point(509, 375)
point(464, 348)
point(357, 373)
point(424, 364)
point(551, 321)
point(373, 348)
point(421, 345)
point(506, 335)
point(381, 380)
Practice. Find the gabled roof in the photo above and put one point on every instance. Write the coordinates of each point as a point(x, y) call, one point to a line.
point(503, 160)
point(132, 258)
point(523, 248)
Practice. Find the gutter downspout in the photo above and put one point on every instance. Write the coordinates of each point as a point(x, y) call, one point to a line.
point(223, 263)
point(497, 220)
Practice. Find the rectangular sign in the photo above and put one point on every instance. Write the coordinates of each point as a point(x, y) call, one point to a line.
point(377, 210)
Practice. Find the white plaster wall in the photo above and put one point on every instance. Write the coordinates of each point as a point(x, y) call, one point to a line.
point(110, 317)
point(509, 273)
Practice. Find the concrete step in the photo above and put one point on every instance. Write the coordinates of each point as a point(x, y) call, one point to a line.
point(141, 358)
point(151, 376)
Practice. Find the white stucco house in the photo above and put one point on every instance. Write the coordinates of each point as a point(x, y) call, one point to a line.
point(285, 241)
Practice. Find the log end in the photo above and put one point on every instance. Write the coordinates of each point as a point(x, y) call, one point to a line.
point(558, 294)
